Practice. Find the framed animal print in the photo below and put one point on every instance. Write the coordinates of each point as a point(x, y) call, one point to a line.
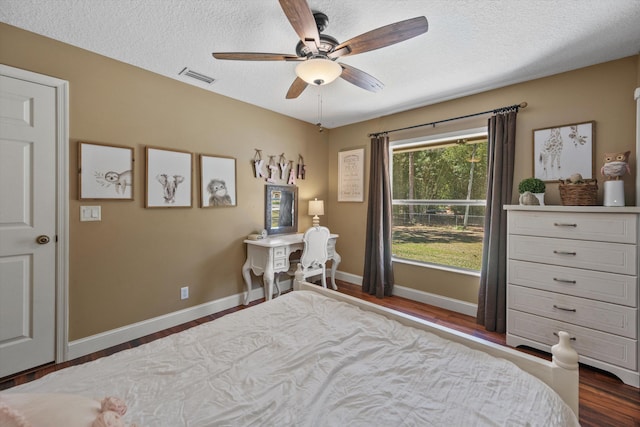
point(217, 181)
point(168, 178)
point(561, 151)
point(105, 172)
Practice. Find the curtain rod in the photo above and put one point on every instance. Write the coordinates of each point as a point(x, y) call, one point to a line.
point(494, 111)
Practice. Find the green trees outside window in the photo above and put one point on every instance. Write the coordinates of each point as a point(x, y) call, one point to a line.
point(439, 202)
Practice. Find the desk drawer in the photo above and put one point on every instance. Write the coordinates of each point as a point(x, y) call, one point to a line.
point(596, 285)
point(598, 315)
point(609, 257)
point(280, 252)
point(616, 228)
point(598, 345)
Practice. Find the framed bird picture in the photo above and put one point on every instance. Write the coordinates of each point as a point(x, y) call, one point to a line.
point(562, 151)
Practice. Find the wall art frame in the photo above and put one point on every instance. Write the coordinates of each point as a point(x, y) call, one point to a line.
point(280, 209)
point(217, 181)
point(168, 178)
point(561, 151)
point(105, 171)
point(351, 175)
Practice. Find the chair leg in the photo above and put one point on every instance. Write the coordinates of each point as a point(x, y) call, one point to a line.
point(324, 277)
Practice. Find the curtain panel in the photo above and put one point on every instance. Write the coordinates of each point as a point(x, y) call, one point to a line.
point(378, 268)
point(492, 294)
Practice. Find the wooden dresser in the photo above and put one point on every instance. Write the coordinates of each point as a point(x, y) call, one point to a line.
point(575, 268)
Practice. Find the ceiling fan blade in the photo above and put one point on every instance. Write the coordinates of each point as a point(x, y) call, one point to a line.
point(297, 87)
point(256, 56)
point(382, 37)
point(303, 22)
point(361, 79)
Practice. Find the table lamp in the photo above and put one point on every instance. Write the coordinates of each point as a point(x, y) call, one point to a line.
point(316, 207)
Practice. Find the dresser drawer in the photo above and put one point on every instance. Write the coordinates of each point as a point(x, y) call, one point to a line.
point(608, 257)
point(608, 287)
point(598, 315)
point(597, 345)
point(617, 228)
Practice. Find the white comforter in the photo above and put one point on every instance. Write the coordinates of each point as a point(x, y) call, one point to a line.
point(306, 360)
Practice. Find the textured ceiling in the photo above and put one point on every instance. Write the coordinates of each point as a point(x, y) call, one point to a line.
point(471, 45)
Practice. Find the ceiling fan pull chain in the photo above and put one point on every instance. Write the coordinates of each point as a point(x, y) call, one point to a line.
point(319, 124)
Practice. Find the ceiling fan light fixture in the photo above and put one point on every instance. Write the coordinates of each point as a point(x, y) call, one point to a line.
point(318, 71)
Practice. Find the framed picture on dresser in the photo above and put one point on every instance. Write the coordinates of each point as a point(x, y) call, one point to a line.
point(564, 150)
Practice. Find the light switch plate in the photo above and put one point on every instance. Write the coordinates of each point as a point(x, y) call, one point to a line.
point(90, 213)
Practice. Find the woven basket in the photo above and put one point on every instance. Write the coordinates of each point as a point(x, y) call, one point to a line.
point(579, 194)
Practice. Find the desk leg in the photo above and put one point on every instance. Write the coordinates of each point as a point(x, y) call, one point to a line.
point(267, 279)
point(246, 274)
point(334, 267)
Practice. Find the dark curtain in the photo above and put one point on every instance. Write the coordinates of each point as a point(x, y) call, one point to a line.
point(492, 311)
point(378, 269)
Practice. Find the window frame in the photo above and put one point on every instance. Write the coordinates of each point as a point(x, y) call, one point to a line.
point(434, 140)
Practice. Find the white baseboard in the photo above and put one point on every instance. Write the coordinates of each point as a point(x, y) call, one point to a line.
point(447, 303)
point(117, 336)
point(134, 331)
point(348, 277)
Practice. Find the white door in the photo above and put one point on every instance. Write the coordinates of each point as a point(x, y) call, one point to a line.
point(27, 224)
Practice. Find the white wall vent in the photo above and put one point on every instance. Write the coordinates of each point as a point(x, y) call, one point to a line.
point(195, 75)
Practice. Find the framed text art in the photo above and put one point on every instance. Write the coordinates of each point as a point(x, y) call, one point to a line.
point(217, 181)
point(168, 178)
point(351, 175)
point(105, 172)
point(561, 151)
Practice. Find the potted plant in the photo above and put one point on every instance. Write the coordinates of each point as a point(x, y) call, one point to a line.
point(533, 185)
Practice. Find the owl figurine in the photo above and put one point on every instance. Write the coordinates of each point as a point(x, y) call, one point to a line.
point(615, 165)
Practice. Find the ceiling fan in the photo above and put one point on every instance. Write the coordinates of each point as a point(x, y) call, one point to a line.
point(318, 52)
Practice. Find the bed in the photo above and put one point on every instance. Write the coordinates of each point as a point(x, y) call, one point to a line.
point(315, 357)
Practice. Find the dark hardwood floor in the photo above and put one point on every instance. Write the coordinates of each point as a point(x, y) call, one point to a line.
point(604, 399)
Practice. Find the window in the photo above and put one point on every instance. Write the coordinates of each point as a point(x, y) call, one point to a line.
point(439, 191)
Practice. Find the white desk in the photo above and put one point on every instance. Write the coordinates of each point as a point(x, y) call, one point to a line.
point(270, 256)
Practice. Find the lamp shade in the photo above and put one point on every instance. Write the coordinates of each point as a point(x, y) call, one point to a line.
point(316, 207)
point(318, 71)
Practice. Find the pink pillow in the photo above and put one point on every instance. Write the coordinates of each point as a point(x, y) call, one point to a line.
point(55, 409)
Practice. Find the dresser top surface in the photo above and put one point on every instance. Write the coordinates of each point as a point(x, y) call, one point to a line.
point(561, 208)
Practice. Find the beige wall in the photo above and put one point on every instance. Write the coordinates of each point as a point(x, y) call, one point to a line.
point(603, 93)
point(130, 266)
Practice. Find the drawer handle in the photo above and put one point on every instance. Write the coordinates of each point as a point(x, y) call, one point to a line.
point(570, 338)
point(563, 224)
point(572, 282)
point(573, 310)
point(564, 253)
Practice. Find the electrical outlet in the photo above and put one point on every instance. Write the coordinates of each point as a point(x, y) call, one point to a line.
point(184, 292)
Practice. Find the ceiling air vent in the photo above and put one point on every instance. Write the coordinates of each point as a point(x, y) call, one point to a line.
point(195, 75)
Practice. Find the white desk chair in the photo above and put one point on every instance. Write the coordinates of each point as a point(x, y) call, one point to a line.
point(314, 255)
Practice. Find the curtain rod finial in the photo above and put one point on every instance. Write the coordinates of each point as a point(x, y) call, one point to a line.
point(523, 105)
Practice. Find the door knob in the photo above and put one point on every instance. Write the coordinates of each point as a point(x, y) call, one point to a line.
point(43, 239)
